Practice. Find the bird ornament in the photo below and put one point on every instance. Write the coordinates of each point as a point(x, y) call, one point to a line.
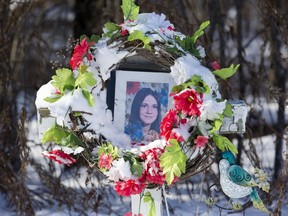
point(238, 183)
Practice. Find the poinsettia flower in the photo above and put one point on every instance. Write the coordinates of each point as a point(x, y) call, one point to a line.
point(201, 141)
point(105, 161)
point(129, 187)
point(59, 156)
point(189, 101)
point(81, 50)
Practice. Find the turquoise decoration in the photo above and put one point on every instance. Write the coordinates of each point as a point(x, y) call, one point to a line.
point(230, 188)
point(236, 173)
point(238, 183)
point(240, 176)
point(229, 156)
point(257, 202)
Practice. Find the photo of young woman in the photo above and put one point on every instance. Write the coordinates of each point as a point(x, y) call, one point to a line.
point(144, 113)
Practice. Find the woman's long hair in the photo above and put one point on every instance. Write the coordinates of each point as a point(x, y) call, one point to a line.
point(135, 110)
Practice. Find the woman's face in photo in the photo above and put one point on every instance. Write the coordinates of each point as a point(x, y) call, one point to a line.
point(148, 110)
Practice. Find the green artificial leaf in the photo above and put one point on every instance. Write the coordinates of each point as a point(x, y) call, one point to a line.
point(63, 80)
point(177, 89)
point(200, 85)
point(93, 39)
point(82, 37)
point(188, 45)
point(200, 31)
point(224, 144)
point(71, 141)
point(228, 110)
point(138, 35)
point(108, 149)
point(55, 134)
point(188, 42)
point(225, 73)
point(82, 69)
point(136, 168)
point(53, 98)
point(130, 9)
point(111, 29)
point(89, 97)
point(84, 80)
point(216, 125)
point(173, 161)
point(151, 203)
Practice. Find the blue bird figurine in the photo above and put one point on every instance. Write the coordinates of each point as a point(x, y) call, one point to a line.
point(238, 183)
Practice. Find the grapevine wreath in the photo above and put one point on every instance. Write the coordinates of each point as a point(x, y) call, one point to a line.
point(76, 98)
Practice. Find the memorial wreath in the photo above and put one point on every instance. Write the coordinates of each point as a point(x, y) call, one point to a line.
point(76, 98)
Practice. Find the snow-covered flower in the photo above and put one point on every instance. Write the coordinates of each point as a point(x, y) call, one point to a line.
point(120, 170)
point(187, 66)
point(60, 157)
point(152, 171)
point(211, 109)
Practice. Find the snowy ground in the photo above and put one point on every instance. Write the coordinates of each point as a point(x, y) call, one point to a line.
point(181, 204)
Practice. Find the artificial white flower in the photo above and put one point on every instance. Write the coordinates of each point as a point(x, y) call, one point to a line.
point(187, 66)
point(211, 109)
point(120, 170)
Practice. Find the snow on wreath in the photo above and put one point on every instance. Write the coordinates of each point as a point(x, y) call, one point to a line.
point(189, 133)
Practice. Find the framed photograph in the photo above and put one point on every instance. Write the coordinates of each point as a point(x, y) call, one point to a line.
point(141, 101)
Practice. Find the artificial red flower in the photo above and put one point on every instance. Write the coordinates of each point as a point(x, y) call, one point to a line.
point(153, 173)
point(105, 161)
point(215, 65)
point(124, 32)
point(80, 51)
point(189, 102)
point(201, 141)
point(128, 188)
point(60, 157)
point(168, 123)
